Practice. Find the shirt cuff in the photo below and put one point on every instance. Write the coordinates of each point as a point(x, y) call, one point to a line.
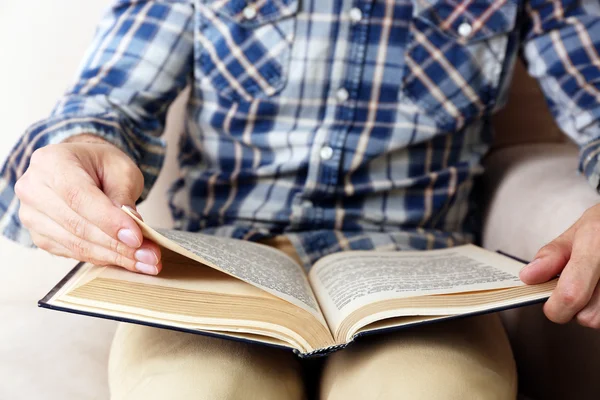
point(146, 151)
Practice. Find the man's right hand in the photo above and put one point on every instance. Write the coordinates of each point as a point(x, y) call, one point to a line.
point(71, 196)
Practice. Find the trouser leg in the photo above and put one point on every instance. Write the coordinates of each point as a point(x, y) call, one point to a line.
point(462, 359)
point(149, 363)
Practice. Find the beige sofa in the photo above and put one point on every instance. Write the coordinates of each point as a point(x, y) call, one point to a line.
point(533, 192)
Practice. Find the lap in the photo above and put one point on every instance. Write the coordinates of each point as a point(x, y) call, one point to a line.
point(468, 358)
point(463, 359)
point(149, 363)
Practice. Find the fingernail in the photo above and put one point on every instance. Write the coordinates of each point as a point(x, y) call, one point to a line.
point(134, 212)
point(128, 237)
point(531, 264)
point(146, 269)
point(146, 256)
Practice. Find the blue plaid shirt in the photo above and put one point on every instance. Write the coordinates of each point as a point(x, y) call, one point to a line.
point(344, 124)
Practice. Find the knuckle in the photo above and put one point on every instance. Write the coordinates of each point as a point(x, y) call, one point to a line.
point(40, 155)
point(25, 217)
point(586, 319)
point(114, 246)
point(41, 242)
point(46, 156)
point(74, 197)
point(123, 194)
point(116, 259)
point(550, 248)
point(131, 186)
point(129, 168)
point(21, 187)
point(118, 247)
point(135, 178)
point(77, 226)
point(572, 297)
point(80, 248)
point(121, 261)
point(97, 261)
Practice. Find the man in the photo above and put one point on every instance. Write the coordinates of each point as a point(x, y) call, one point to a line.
point(313, 126)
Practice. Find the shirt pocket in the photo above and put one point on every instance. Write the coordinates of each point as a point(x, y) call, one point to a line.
point(455, 57)
point(244, 47)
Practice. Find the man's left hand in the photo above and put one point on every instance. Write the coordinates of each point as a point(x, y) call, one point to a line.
point(575, 255)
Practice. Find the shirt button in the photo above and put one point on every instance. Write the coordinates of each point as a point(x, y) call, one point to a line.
point(249, 12)
point(326, 153)
point(355, 14)
point(342, 95)
point(465, 29)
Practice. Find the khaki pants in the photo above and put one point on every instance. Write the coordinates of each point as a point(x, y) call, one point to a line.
point(463, 359)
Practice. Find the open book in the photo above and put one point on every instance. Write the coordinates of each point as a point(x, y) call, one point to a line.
point(248, 291)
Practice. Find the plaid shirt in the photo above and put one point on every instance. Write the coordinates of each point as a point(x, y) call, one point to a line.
point(342, 124)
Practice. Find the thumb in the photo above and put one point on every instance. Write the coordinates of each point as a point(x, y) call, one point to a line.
point(123, 187)
point(123, 184)
point(550, 260)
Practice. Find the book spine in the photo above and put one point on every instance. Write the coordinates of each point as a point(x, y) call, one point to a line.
point(322, 352)
point(60, 284)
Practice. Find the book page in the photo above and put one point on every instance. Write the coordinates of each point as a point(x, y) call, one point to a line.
point(178, 276)
point(346, 281)
point(257, 264)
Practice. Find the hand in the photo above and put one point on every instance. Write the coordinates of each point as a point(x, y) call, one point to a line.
point(575, 255)
point(71, 196)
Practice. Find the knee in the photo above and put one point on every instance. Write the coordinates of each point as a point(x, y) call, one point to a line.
point(148, 363)
point(415, 381)
point(437, 363)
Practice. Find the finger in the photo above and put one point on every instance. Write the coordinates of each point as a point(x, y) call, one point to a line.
point(36, 219)
point(126, 190)
point(92, 204)
point(590, 315)
point(97, 255)
point(134, 211)
point(49, 245)
point(549, 261)
point(147, 253)
point(578, 279)
point(80, 249)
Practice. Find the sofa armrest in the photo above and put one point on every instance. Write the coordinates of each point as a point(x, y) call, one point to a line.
point(533, 193)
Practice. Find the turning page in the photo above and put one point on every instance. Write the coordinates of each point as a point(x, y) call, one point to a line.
point(345, 282)
point(259, 265)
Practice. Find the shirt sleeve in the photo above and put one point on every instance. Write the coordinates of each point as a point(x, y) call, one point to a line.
point(140, 59)
point(562, 50)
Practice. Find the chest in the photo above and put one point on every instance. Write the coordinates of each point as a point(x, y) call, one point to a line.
point(442, 58)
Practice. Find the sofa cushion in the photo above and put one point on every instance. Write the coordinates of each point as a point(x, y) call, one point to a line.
point(46, 354)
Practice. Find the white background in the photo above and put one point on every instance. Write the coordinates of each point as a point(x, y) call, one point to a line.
point(46, 354)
